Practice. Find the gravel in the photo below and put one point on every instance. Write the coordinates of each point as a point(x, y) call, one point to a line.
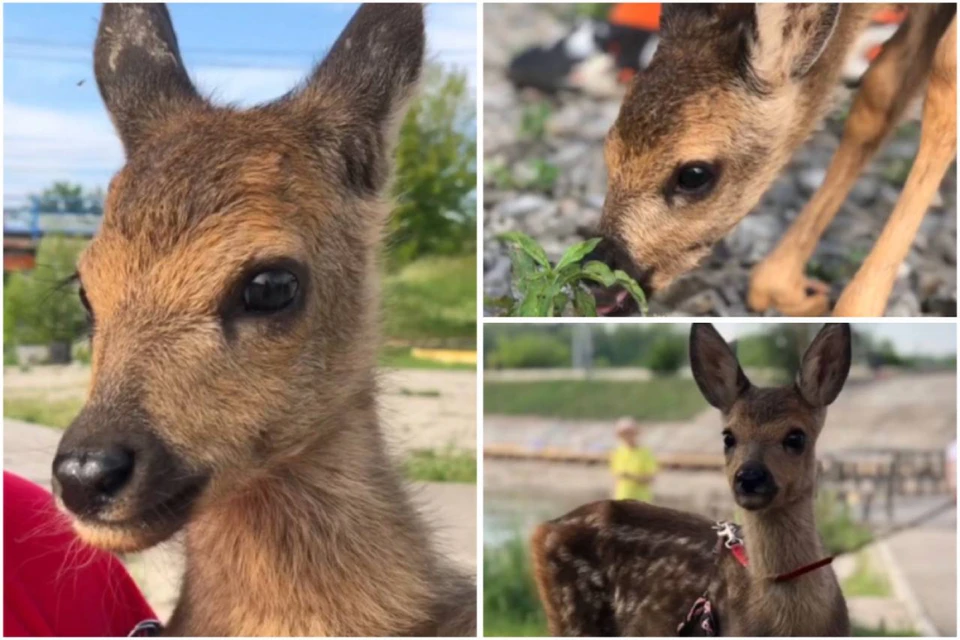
point(544, 175)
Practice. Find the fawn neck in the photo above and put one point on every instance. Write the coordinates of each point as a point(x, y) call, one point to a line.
point(779, 541)
point(323, 544)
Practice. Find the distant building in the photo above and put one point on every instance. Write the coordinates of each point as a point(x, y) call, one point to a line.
point(24, 226)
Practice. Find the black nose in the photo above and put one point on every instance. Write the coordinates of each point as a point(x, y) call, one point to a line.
point(753, 479)
point(88, 480)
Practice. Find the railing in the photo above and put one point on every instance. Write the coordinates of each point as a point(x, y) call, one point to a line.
point(862, 479)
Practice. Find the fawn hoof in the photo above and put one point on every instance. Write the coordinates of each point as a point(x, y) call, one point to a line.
point(797, 296)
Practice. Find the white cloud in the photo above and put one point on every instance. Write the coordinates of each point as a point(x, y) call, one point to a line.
point(63, 142)
point(46, 144)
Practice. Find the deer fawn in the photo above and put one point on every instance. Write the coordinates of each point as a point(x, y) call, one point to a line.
point(629, 568)
point(232, 290)
point(732, 91)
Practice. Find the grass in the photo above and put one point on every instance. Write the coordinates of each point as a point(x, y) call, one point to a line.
point(511, 606)
point(56, 413)
point(865, 581)
point(657, 399)
point(433, 299)
point(401, 358)
point(882, 631)
point(442, 466)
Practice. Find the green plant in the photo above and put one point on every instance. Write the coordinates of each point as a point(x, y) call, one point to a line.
point(442, 466)
point(866, 581)
point(546, 290)
point(839, 531)
point(42, 306)
point(544, 177)
point(41, 410)
point(667, 354)
point(511, 606)
point(531, 350)
point(436, 176)
point(533, 121)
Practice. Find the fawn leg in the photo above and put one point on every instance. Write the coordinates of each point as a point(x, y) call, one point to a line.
point(887, 88)
point(867, 293)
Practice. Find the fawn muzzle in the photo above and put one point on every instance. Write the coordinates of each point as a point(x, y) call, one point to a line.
point(113, 474)
point(615, 300)
point(754, 486)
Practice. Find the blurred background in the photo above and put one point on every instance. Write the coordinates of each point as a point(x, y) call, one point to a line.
point(554, 78)
point(60, 151)
point(553, 393)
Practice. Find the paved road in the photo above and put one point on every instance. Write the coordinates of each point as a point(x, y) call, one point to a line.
point(450, 508)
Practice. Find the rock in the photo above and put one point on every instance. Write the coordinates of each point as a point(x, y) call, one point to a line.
point(523, 205)
point(811, 179)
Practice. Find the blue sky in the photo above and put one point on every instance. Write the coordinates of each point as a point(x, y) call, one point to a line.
point(55, 127)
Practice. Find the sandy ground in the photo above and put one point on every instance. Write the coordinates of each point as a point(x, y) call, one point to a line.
point(420, 409)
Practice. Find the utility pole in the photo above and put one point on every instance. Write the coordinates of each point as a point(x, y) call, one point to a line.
point(581, 347)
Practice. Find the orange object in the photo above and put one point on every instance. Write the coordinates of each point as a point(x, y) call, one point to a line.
point(639, 15)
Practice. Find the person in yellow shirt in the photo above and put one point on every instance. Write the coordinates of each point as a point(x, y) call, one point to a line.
point(633, 467)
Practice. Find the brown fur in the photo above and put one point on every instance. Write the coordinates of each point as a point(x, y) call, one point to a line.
point(296, 521)
point(744, 98)
point(632, 569)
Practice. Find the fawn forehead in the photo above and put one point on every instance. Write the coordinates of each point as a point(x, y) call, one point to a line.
point(681, 82)
point(771, 411)
point(210, 162)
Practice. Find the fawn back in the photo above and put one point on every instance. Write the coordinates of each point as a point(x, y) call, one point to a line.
point(634, 569)
point(731, 92)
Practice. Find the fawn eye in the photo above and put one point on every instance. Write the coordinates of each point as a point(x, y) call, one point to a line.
point(729, 442)
point(270, 291)
point(694, 179)
point(795, 441)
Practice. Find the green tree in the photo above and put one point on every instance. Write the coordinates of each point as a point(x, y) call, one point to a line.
point(436, 171)
point(42, 306)
point(668, 354)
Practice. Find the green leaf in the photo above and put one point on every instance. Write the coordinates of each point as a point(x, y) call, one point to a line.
point(577, 252)
point(530, 307)
point(523, 266)
point(598, 272)
point(584, 303)
point(505, 303)
point(632, 288)
point(529, 246)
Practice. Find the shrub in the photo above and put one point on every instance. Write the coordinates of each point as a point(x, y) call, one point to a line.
point(530, 351)
point(510, 598)
point(436, 172)
point(667, 354)
point(42, 306)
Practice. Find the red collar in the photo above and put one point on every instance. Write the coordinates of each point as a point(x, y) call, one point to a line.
point(728, 535)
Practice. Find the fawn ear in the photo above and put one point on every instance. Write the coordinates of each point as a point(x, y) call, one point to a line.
point(825, 365)
point(138, 68)
point(789, 39)
point(364, 85)
point(715, 367)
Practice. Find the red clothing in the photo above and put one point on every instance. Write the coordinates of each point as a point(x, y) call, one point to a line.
point(54, 585)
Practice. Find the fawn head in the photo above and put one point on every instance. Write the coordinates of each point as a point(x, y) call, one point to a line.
point(232, 285)
point(703, 131)
point(769, 433)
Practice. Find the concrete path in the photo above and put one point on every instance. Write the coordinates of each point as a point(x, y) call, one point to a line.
point(451, 509)
point(926, 558)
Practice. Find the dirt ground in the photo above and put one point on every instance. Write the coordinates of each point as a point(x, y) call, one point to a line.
point(420, 408)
